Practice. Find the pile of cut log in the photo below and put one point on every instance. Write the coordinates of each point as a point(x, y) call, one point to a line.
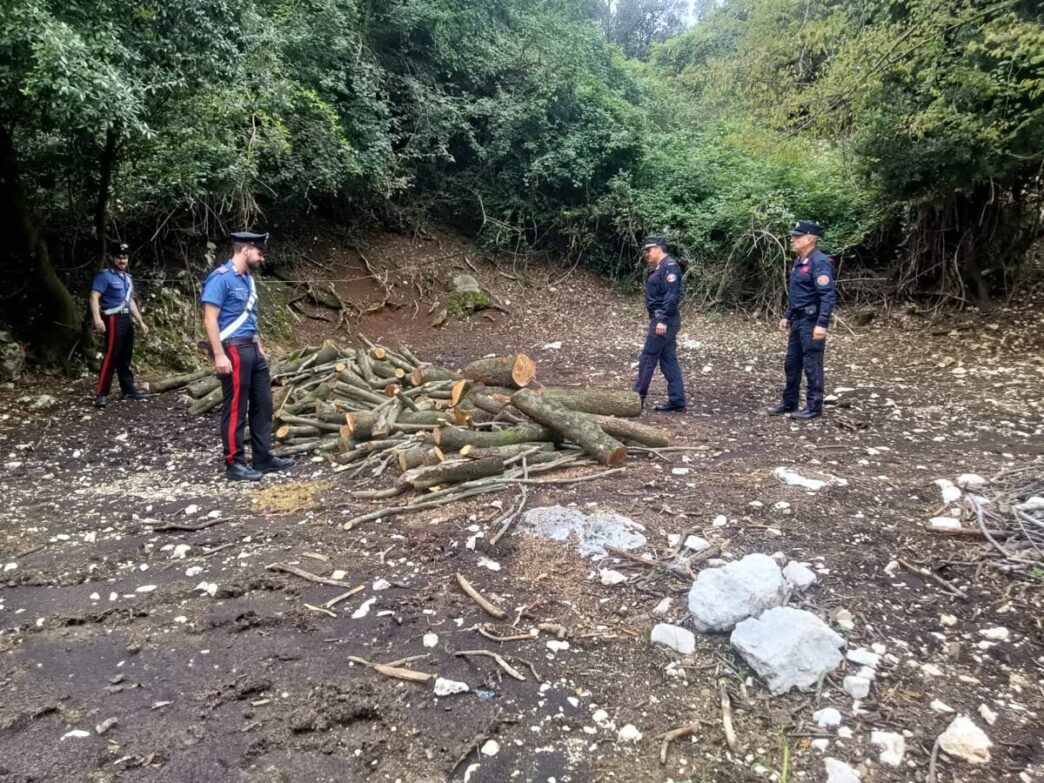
point(375, 408)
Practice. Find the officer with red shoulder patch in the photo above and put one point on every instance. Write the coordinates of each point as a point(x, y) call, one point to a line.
point(230, 318)
point(663, 295)
point(112, 310)
point(811, 294)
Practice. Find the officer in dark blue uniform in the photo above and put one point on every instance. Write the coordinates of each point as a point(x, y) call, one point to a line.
point(112, 308)
point(663, 294)
point(811, 296)
point(230, 317)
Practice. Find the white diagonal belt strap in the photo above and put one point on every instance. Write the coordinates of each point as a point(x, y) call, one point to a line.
point(124, 306)
point(241, 319)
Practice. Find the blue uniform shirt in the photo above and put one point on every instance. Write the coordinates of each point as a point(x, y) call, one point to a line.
point(663, 291)
point(811, 290)
point(113, 287)
point(228, 290)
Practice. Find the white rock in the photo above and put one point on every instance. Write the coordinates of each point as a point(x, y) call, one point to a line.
point(950, 492)
point(449, 687)
point(490, 748)
point(864, 657)
point(554, 346)
point(821, 744)
point(378, 584)
point(191, 509)
point(840, 772)
point(471, 770)
point(998, 634)
point(601, 717)
point(696, 544)
point(788, 648)
point(663, 607)
point(756, 504)
point(827, 718)
point(192, 571)
point(856, 687)
point(680, 471)
point(720, 521)
point(557, 646)
point(844, 733)
point(610, 577)
point(364, 609)
point(678, 639)
point(492, 565)
point(722, 597)
point(940, 706)
point(971, 482)
point(430, 640)
point(95, 597)
point(1035, 503)
point(180, 551)
point(782, 505)
point(844, 619)
point(628, 734)
point(944, 523)
point(987, 714)
point(931, 670)
point(892, 745)
point(145, 589)
point(947, 620)
point(76, 734)
point(964, 740)
point(210, 588)
point(799, 576)
point(795, 479)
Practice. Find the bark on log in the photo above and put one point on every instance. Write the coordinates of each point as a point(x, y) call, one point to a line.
point(177, 381)
point(602, 402)
point(423, 375)
point(203, 387)
point(204, 404)
point(578, 428)
point(322, 426)
point(504, 452)
point(360, 424)
point(452, 472)
point(516, 371)
point(291, 431)
point(625, 429)
point(416, 457)
point(455, 438)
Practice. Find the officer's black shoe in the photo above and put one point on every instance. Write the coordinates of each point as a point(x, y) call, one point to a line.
point(273, 463)
point(670, 408)
point(135, 395)
point(101, 401)
point(780, 409)
point(240, 472)
point(805, 413)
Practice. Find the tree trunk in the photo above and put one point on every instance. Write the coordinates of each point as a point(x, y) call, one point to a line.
point(47, 316)
point(602, 402)
point(177, 381)
point(516, 371)
point(361, 423)
point(452, 472)
point(106, 165)
point(454, 438)
point(578, 428)
point(504, 452)
point(625, 429)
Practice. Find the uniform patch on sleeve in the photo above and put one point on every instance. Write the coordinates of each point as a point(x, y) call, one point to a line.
point(671, 277)
point(823, 280)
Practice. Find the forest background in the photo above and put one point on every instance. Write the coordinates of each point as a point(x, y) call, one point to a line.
point(912, 129)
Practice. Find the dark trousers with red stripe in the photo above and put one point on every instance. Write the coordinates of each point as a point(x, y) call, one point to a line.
point(248, 395)
point(661, 350)
point(804, 353)
point(119, 348)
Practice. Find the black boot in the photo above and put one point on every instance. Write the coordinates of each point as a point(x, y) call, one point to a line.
point(781, 409)
point(805, 413)
point(237, 471)
point(135, 395)
point(273, 463)
point(670, 407)
point(101, 401)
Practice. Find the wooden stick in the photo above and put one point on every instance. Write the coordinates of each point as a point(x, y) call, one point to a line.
point(190, 528)
point(669, 736)
point(394, 671)
point(934, 577)
point(320, 580)
point(726, 719)
point(475, 596)
point(321, 610)
point(337, 599)
point(503, 664)
point(521, 637)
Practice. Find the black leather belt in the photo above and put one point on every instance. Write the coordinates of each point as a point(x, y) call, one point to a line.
point(236, 341)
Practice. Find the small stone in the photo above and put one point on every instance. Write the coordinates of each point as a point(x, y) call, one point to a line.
point(610, 577)
point(722, 597)
point(378, 584)
point(788, 648)
point(827, 718)
point(364, 609)
point(821, 744)
point(445, 687)
point(678, 639)
point(557, 646)
point(105, 725)
point(931, 670)
point(944, 523)
point(430, 640)
point(191, 509)
point(799, 576)
point(947, 620)
point(844, 733)
point(601, 717)
point(76, 734)
point(145, 589)
point(844, 619)
point(628, 734)
point(192, 571)
point(892, 744)
point(987, 714)
point(999, 634)
point(490, 748)
point(840, 772)
point(720, 521)
point(971, 482)
point(696, 544)
point(857, 687)
point(964, 740)
point(864, 657)
point(941, 706)
point(180, 551)
point(663, 607)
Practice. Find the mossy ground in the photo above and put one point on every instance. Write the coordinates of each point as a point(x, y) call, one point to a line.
point(463, 304)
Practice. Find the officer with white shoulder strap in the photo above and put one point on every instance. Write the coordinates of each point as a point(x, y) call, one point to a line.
point(230, 317)
point(113, 308)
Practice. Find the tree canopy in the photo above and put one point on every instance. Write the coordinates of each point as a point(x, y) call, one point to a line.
point(912, 129)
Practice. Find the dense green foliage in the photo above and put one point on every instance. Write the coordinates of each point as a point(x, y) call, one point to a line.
point(912, 129)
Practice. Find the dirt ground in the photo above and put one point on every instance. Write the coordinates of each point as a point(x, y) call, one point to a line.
point(217, 669)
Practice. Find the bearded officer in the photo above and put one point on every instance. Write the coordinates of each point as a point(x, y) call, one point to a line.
point(112, 309)
point(811, 294)
point(663, 294)
point(230, 318)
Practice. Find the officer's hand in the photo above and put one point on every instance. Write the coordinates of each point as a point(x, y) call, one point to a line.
point(661, 329)
point(143, 327)
point(819, 333)
point(784, 324)
point(99, 325)
point(222, 366)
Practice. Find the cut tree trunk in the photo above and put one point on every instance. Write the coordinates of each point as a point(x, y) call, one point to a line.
point(423, 375)
point(577, 427)
point(602, 402)
point(452, 472)
point(625, 429)
point(455, 438)
point(516, 371)
point(361, 423)
point(203, 386)
point(504, 452)
point(416, 457)
point(177, 381)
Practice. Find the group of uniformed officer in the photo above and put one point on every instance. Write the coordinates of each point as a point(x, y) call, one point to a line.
point(811, 296)
point(230, 317)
